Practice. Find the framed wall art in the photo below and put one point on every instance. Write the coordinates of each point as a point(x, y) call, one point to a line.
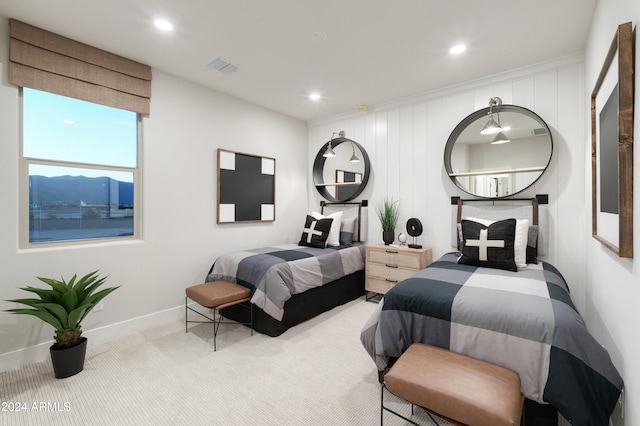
point(246, 188)
point(612, 146)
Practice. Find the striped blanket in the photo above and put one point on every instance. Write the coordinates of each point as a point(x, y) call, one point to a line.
point(521, 320)
point(276, 273)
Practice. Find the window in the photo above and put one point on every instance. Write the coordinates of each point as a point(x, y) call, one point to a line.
point(80, 169)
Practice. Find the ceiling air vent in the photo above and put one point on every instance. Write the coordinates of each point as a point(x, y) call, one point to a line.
point(223, 65)
point(539, 131)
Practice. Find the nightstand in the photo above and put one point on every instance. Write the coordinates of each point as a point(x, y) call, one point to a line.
point(386, 266)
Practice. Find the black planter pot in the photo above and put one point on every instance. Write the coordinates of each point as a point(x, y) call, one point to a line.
point(388, 237)
point(68, 361)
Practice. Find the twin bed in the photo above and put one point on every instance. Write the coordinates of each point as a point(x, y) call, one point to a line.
point(509, 309)
point(292, 283)
point(481, 303)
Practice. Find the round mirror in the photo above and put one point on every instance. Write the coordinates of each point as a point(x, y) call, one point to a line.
point(341, 178)
point(503, 163)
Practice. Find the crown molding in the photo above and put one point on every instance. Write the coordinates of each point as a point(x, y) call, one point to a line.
point(576, 59)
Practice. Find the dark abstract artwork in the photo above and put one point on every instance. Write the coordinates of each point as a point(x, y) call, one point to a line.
point(246, 188)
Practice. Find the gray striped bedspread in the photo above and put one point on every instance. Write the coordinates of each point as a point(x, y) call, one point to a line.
point(521, 320)
point(276, 273)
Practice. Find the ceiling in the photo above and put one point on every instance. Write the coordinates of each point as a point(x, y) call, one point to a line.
point(375, 51)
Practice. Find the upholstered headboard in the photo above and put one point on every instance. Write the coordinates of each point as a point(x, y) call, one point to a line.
point(533, 209)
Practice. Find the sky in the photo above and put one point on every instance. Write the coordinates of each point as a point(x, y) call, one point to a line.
point(65, 129)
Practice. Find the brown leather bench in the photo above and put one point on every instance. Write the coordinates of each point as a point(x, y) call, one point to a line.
point(454, 387)
point(216, 295)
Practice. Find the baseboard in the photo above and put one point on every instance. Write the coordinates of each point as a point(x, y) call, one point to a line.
point(40, 352)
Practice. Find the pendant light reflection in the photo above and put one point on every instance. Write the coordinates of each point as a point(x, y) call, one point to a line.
point(492, 127)
point(500, 138)
point(354, 158)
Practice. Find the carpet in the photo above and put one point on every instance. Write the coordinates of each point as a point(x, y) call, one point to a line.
point(316, 373)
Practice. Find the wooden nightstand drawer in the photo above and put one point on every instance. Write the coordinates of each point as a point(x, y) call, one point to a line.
point(394, 257)
point(386, 266)
point(379, 285)
point(389, 271)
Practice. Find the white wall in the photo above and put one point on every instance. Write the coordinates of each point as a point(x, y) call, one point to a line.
point(180, 237)
point(406, 140)
point(612, 289)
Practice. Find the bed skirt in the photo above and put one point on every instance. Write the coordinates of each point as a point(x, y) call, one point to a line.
point(302, 306)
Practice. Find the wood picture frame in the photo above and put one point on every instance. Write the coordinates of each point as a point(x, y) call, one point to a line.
point(246, 188)
point(612, 104)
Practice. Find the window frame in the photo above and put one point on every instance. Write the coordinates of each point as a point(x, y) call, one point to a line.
point(23, 183)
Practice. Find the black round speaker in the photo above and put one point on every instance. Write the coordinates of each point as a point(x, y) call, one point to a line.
point(414, 227)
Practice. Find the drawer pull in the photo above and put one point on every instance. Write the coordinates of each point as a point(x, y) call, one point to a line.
point(391, 281)
point(392, 251)
point(391, 266)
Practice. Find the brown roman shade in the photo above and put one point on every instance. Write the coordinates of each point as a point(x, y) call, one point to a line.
point(45, 61)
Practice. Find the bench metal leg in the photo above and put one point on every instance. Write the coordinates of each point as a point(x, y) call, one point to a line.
point(383, 408)
point(216, 321)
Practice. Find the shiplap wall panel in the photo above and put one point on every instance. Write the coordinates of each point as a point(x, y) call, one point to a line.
point(446, 115)
point(370, 145)
point(359, 131)
point(420, 174)
point(505, 92)
point(546, 98)
point(407, 142)
point(522, 93)
point(544, 103)
point(381, 164)
point(406, 168)
point(437, 133)
point(393, 154)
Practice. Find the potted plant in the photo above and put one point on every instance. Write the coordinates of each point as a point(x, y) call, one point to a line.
point(388, 214)
point(64, 306)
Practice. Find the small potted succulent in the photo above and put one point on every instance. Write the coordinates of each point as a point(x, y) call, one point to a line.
point(64, 306)
point(388, 213)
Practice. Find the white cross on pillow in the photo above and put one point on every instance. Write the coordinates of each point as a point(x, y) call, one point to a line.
point(484, 243)
point(311, 231)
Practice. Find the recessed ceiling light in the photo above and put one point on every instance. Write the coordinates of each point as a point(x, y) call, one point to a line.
point(314, 96)
point(458, 49)
point(163, 25)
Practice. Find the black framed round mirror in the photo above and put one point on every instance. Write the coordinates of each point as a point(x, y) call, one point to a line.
point(502, 163)
point(341, 178)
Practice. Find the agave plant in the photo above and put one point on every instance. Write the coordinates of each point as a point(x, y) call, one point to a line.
point(64, 305)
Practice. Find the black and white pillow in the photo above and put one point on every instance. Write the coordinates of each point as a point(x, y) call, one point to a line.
point(489, 246)
point(334, 234)
point(520, 245)
point(315, 232)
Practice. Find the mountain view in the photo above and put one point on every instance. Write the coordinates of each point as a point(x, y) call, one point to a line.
point(70, 190)
point(79, 207)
